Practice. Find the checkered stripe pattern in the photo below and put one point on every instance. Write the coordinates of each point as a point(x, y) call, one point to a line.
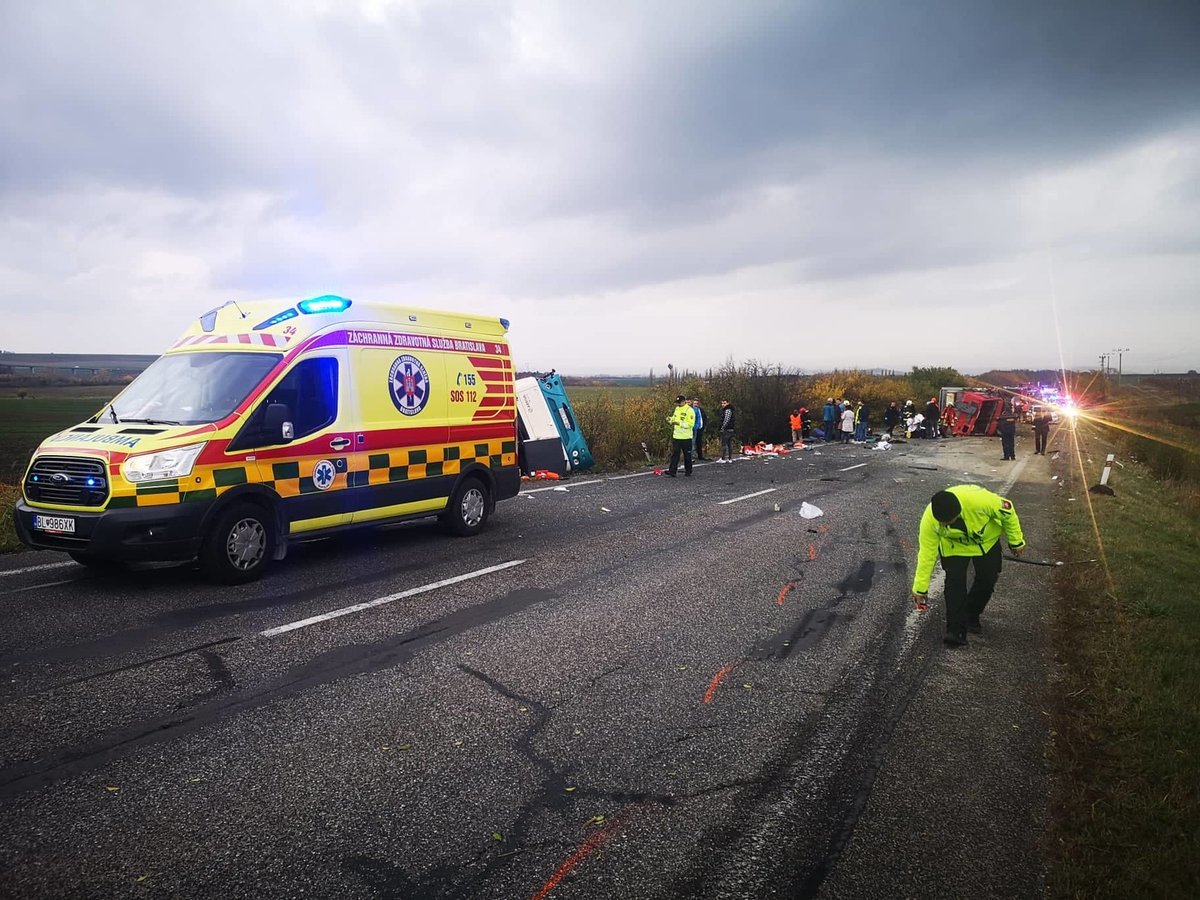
point(205, 483)
point(293, 478)
point(431, 462)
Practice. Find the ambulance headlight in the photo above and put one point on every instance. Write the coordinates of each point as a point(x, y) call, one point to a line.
point(176, 463)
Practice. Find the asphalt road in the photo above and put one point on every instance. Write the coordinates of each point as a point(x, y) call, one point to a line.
point(640, 687)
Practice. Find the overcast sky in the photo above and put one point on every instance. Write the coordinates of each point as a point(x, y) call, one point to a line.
point(874, 184)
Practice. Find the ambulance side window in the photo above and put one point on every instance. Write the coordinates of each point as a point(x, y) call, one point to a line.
point(311, 391)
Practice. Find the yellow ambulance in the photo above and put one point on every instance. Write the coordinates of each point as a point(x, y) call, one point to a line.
point(272, 421)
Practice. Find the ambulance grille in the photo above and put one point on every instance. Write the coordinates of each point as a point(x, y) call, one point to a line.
point(64, 480)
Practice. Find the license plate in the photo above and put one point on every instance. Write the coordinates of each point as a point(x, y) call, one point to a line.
point(57, 524)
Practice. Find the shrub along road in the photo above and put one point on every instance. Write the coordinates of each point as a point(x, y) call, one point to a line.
point(638, 687)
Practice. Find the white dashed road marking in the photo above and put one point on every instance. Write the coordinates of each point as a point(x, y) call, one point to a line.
point(565, 484)
point(57, 565)
point(380, 601)
point(747, 497)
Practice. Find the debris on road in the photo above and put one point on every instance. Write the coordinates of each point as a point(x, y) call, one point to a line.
point(808, 511)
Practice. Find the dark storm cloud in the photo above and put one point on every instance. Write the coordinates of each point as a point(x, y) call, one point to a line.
point(1003, 85)
point(556, 151)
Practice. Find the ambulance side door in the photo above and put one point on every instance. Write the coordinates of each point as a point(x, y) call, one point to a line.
point(310, 471)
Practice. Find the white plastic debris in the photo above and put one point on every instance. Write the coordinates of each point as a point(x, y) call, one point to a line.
point(605, 509)
point(561, 488)
point(808, 511)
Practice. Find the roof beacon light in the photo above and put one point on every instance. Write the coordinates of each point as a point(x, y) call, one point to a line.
point(324, 304)
point(276, 319)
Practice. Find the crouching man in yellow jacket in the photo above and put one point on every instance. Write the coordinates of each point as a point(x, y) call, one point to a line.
point(961, 525)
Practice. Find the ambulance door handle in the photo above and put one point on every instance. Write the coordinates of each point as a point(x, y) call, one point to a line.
point(340, 443)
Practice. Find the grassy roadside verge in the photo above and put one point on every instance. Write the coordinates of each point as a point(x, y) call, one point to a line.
point(1127, 712)
point(8, 534)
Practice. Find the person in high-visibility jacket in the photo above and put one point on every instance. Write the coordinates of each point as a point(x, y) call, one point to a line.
point(963, 525)
point(683, 424)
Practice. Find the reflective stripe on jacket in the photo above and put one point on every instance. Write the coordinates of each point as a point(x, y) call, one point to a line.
point(985, 515)
point(684, 422)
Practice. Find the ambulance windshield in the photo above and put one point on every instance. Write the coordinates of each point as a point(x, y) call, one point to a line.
point(192, 388)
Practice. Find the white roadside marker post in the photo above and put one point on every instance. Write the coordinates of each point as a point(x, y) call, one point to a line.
point(1102, 487)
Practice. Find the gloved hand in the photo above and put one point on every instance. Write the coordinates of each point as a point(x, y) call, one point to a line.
point(921, 602)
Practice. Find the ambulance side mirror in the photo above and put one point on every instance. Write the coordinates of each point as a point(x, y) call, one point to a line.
point(277, 423)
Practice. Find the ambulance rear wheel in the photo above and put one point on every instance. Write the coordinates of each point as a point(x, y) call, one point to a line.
point(239, 545)
point(468, 508)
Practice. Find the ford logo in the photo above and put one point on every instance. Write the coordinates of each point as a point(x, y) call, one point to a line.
point(60, 478)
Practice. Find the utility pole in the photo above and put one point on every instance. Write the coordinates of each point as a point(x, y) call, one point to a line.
point(1120, 351)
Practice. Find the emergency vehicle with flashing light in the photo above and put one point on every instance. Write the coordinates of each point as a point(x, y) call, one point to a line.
point(274, 421)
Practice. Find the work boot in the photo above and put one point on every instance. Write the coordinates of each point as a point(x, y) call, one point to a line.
point(973, 625)
point(955, 638)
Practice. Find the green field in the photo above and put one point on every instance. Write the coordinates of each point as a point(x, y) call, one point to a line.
point(1127, 715)
point(25, 423)
point(62, 392)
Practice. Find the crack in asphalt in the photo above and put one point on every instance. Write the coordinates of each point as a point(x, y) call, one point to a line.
point(333, 665)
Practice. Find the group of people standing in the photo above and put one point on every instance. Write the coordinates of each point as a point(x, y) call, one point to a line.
point(1007, 429)
point(841, 420)
point(845, 421)
point(688, 423)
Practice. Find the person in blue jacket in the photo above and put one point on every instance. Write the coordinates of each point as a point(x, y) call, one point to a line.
point(698, 430)
point(829, 414)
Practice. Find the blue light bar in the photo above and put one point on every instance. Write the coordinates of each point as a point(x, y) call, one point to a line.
point(504, 324)
point(277, 318)
point(324, 304)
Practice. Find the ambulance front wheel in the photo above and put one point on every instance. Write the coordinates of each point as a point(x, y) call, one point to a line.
point(239, 545)
point(468, 508)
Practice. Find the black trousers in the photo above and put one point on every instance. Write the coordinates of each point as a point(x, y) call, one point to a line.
point(1008, 442)
point(726, 445)
point(684, 446)
point(699, 443)
point(1039, 440)
point(962, 604)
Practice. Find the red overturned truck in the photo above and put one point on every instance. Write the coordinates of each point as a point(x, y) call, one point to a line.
point(976, 412)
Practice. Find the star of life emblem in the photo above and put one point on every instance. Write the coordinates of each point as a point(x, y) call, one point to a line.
point(409, 385)
point(323, 475)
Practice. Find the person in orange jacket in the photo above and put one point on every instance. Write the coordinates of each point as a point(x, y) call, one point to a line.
point(797, 424)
